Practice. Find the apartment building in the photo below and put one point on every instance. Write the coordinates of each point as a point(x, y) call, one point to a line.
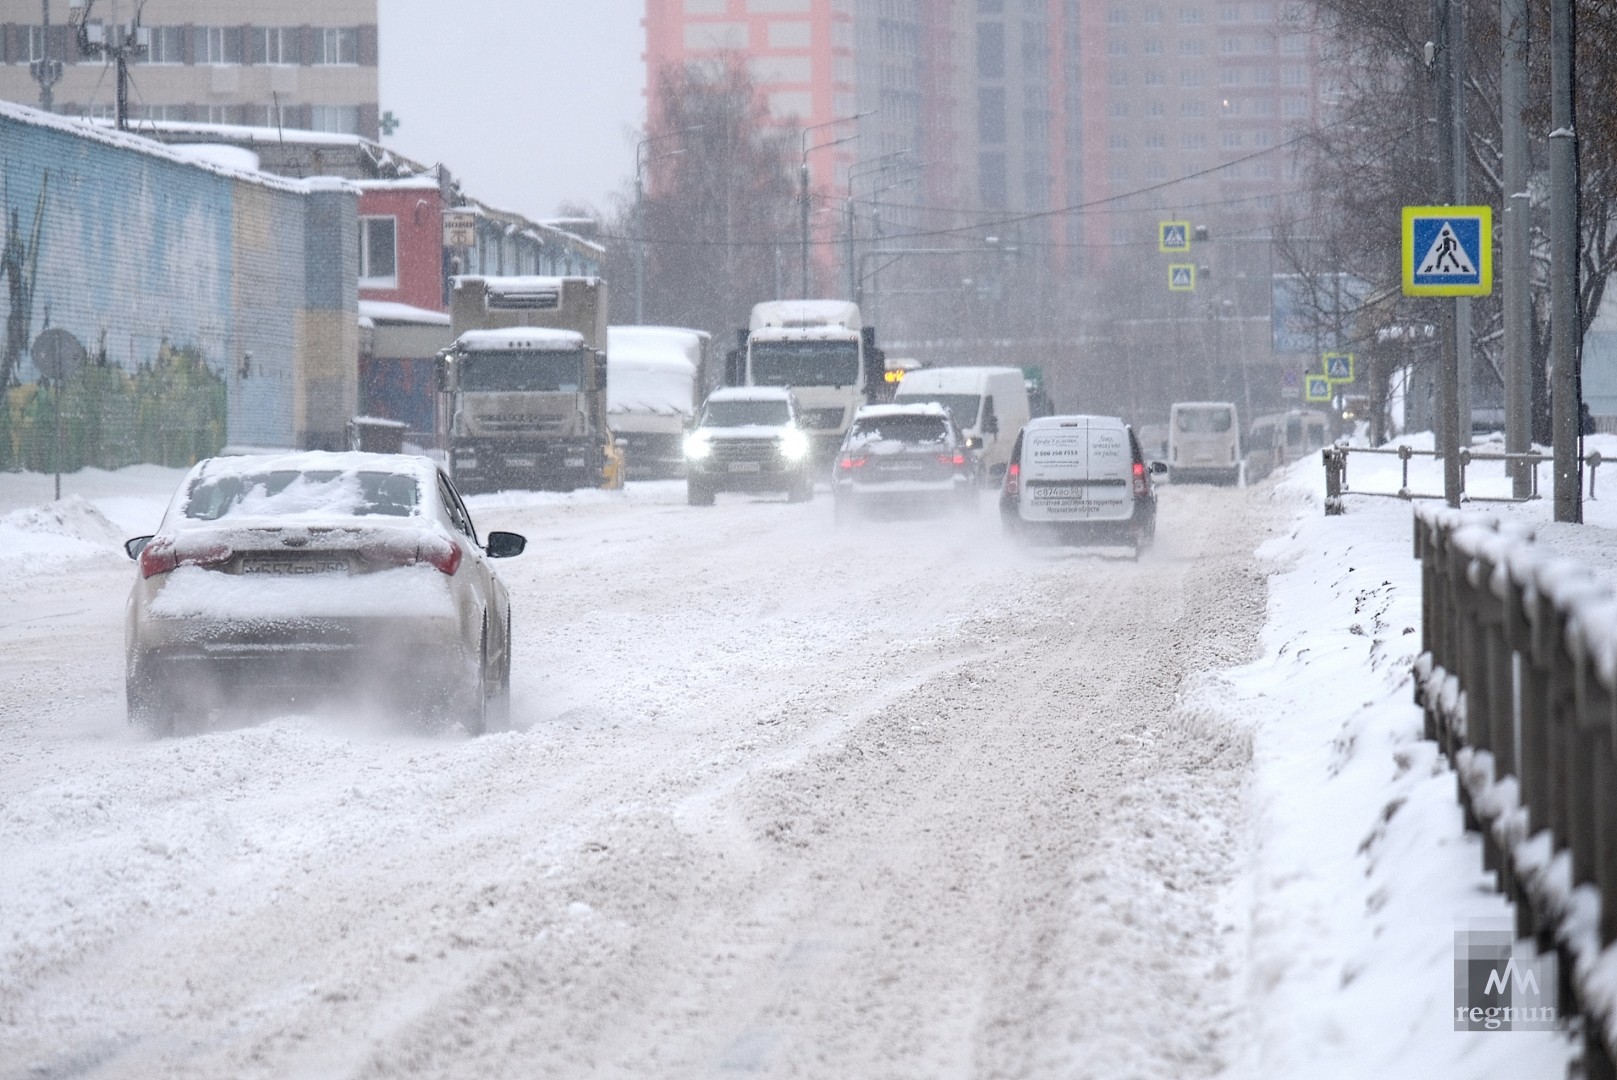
point(274, 63)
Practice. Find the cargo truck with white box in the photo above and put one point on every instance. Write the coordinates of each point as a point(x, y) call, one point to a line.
point(656, 380)
point(526, 380)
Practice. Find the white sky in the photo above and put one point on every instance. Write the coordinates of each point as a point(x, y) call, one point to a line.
point(529, 103)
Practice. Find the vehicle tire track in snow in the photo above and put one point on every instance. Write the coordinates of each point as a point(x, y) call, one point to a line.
point(789, 801)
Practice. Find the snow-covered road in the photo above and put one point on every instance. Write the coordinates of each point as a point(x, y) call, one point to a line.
point(783, 799)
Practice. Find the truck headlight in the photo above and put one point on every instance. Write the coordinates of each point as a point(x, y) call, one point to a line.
point(698, 446)
point(794, 445)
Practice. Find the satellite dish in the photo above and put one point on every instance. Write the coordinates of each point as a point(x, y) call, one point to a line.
point(57, 354)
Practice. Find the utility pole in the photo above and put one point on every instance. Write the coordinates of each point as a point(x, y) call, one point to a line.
point(121, 44)
point(1518, 297)
point(1565, 319)
point(46, 72)
point(1459, 195)
point(1448, 377)
point(803, 185)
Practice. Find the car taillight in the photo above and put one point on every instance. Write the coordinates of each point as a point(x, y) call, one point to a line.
point(956, 460)
point(441, 554)
point(1139, 479)
point(156, 558)
point(444, 555)
point(849, 462)
point(1013, 479)
point(162, 555)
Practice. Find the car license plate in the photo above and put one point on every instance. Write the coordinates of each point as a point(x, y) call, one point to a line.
point(574, 463)
point(745, 466)
point(903, 466)
point(293, 567)
point(519, 462)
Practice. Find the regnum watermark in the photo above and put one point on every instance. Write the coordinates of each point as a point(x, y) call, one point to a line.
point(1502, 984)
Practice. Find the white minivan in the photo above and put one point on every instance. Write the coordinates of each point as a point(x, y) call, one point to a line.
point(989, 404)
point(1080, 480)
point(1204, 443)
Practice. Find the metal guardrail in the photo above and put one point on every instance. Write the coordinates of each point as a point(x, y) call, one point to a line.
point(1336, 481)
point(1518, 683)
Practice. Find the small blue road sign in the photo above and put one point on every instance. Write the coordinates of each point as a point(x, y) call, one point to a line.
point(1173, 236)
point(1182, 277)
point(1339, 367)
point(1448, 250)
point(1317, 388)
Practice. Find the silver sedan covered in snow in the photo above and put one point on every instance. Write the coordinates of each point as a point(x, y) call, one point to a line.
point(318, 576)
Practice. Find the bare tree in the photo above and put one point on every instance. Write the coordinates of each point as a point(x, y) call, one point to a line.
point(718, 212)
point(1376, 151)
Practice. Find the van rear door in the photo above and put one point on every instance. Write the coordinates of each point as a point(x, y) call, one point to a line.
point(1078, 471)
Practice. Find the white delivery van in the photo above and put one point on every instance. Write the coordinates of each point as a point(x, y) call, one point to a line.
point(1080, 480)
point(1204, 443)
point(989, 404)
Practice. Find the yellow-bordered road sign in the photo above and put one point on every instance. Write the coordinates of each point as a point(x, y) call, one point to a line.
point(1448, 250)
point(1339, 367)
point(1182, 277)
point(1316, 388)
point(1173, 236)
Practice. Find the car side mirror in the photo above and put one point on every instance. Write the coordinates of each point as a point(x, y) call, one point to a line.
point(1158, 467)
point(134, 547)
point(503, 545)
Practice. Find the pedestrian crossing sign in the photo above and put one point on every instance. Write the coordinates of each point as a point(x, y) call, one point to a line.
point(1182, 277)
point(1339, 367)
point(1173, 236)
point(1317, 388)
point(1448, 250)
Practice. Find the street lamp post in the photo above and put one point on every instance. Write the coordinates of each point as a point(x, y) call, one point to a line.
point(881, 164)
point(803, 181)
point(639, 215)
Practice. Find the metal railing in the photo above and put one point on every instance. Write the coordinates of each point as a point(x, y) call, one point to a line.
point(1336, 480)
point(1518, 683)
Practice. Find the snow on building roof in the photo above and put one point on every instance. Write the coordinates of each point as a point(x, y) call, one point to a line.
point(127, 140)
point(388, 311)
point(508, 339)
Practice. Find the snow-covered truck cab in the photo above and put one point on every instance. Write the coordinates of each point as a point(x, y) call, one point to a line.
point(823, 350)
point(526, 381)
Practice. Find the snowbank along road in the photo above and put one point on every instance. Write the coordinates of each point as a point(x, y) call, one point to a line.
point(894, 800)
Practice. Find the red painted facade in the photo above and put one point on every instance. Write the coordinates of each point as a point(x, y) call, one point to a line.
point(416, 208)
